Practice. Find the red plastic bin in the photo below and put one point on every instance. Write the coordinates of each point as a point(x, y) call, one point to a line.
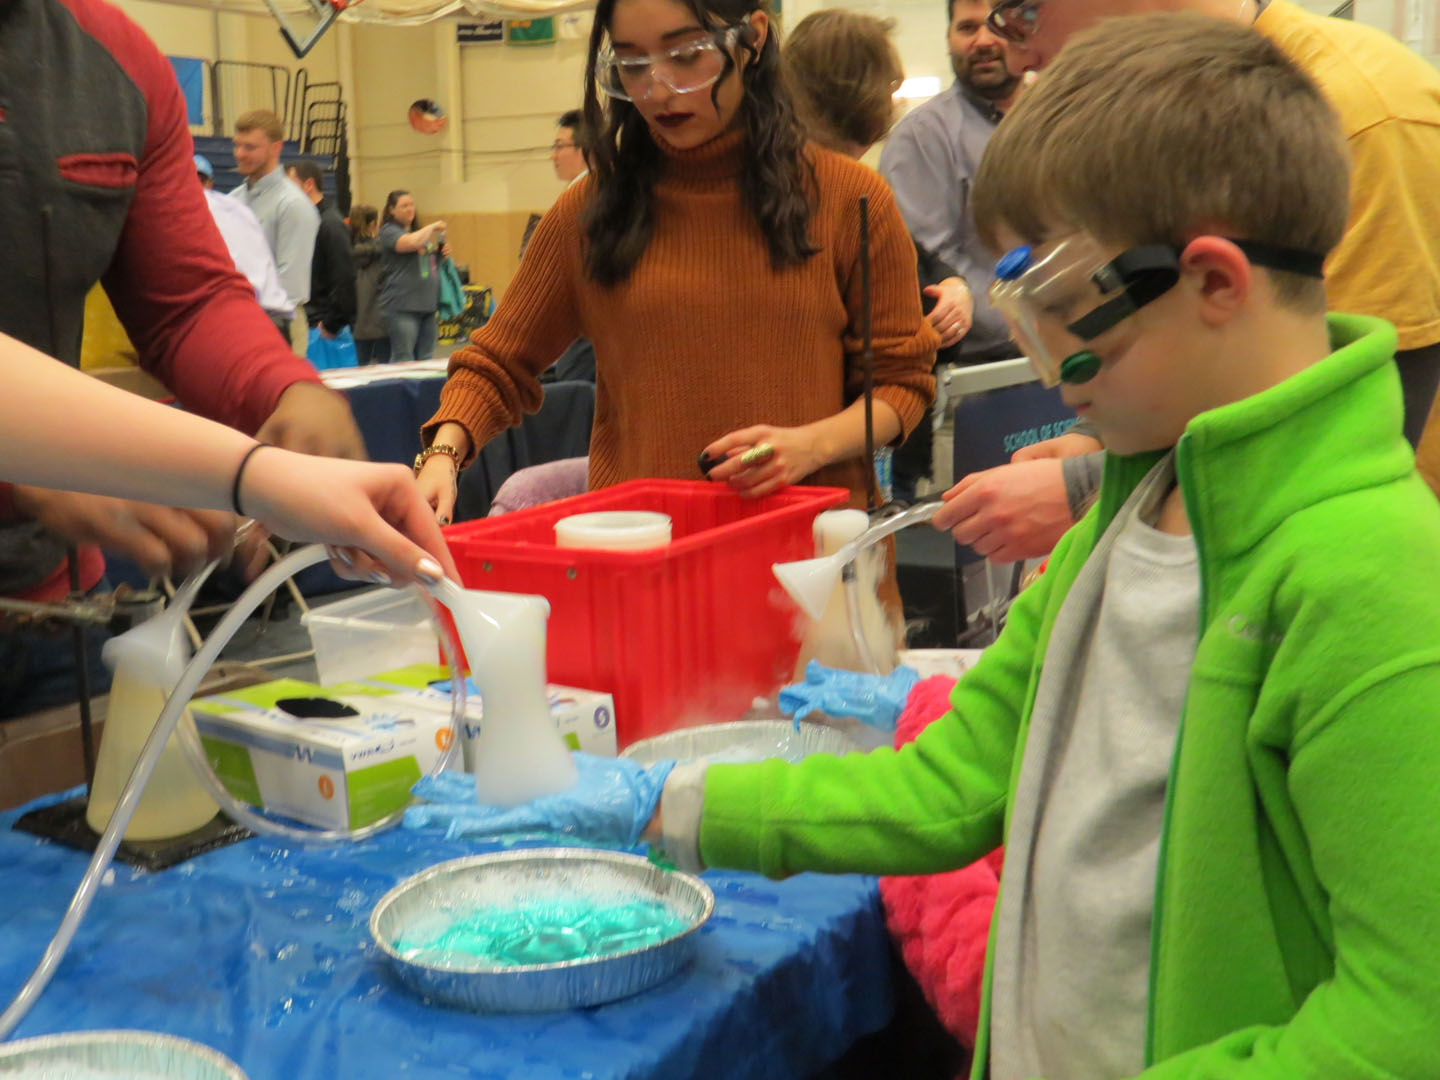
point(680, 635)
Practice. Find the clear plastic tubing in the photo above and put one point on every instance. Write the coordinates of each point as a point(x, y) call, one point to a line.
point(850, 582)
point(169, 717)
point(851, 579)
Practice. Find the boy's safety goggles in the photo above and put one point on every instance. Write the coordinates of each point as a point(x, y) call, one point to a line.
point(1059, 296)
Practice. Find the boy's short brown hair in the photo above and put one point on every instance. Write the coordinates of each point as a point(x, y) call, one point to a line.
point(261, 120)
point(842, 72)
point(1150, 126)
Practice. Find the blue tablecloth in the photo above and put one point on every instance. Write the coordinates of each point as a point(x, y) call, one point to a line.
point(264, 953)
point(389, 413)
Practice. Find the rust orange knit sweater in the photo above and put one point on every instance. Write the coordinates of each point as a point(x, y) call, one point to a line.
point(705, 337)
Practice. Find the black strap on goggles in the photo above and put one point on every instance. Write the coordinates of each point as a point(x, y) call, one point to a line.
point(1147, 272)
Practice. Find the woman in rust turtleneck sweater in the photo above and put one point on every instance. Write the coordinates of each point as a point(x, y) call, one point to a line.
point(713, 258)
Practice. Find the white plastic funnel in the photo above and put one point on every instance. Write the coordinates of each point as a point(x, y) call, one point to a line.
point(811, 581)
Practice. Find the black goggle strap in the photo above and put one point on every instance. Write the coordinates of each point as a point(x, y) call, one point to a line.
point(1147, 272)
point(1142, 274)
point(1291, 260)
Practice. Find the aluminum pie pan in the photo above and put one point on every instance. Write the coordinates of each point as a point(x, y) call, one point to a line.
point(742, 741)
point(121, 1055)
point(452, 889)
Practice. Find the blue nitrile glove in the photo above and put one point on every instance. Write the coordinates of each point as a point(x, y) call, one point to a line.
point(877, 700)
point(611, 803)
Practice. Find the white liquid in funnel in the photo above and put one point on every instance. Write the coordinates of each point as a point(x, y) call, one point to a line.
point(518, 754)
point(811, 581)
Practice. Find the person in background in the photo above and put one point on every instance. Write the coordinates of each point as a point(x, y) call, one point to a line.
point(713, 259)
point(409, 277)
point(568, 156)
point(1387, 264)
point(138, 223)
point(289, 219)
point(568, 152)
point(245, 240)
point(372, 340)
point(843, 72)
point(930, 161)
point(331, 309)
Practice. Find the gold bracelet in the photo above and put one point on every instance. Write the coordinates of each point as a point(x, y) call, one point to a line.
point(437, 448)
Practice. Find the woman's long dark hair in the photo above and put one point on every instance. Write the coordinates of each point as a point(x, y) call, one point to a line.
point(361, 218)
point(777, 181)
point(389, 213)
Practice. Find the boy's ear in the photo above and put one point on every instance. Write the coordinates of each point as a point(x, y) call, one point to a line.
point(1224, 275)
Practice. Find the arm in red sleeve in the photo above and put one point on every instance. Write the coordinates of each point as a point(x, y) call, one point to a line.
point(192, 316)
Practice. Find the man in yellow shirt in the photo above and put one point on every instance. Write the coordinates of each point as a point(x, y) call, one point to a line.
point(1388, 263)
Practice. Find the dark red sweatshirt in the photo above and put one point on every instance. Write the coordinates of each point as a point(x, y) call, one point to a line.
point(97, 182)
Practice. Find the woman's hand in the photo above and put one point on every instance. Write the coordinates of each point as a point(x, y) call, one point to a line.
point(445, 251)
point(372, 517)
point(439, 483)
point(953, 312)
point(760, 460)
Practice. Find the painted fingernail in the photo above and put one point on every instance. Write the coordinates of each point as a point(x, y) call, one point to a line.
point(444, 519)
point(379, 577)
point(344, 556)
point(428, 571)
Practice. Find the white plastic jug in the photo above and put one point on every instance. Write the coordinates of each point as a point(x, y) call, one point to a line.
point(147, 662)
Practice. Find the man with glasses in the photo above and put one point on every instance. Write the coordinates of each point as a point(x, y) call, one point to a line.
point(567, 152)
point(568, 159)
point(1387, 264)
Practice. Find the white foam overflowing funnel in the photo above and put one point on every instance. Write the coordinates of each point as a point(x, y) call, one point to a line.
point(517, 752)
point(811, 581)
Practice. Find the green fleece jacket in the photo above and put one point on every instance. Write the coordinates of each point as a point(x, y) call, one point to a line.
point(1296, 931)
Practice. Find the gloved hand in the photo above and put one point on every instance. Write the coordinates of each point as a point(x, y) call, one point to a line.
point(876, 700)
point(611, 803)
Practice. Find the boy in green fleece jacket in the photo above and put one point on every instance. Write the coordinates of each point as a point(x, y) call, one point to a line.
point(1209, 736)
point(1221, 849)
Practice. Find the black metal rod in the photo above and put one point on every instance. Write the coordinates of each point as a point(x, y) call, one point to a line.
point(867, 355)
point(82, 677)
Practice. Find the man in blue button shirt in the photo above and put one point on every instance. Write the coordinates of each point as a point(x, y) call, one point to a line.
point(933, 152)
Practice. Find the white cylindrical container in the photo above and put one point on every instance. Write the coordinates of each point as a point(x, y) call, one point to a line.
point(830, 638)
point(614, 530)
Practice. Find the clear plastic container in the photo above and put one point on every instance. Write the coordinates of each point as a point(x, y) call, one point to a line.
point(378, 630)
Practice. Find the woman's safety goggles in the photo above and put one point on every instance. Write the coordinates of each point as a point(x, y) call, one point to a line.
point(1060, 296)
point(682, 70)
